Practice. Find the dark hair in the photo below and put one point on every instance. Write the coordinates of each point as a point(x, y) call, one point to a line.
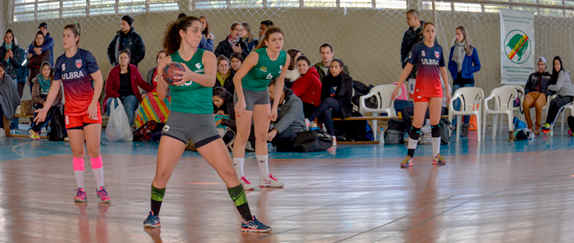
point(338, 60)
point(285, 89)
point(326, 44)
point(555, 73)
point(292, 53)
point(267, 23)
point(268, 32)
point(51, 69)
point(206, 30)
point(221, 92)
point(413, 12)
point(238, 56)
point(304, 58)
point(10, 31)
point(222, 58)
point(39, 33)
point(126, 51)
point(248, 28)
point(172, 39)
point(76, 28)
point(181, 15)
point(3, 66)
point(160, 52)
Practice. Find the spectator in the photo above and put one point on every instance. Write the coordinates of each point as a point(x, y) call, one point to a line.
point(126, 38)
point(408, 111)
point(336, 95)
point(233, 43)
point(41, 86)
point(221, 104)
point(34, 62)
point(13, 57)
point(327, 52)
point(308, 87)
point(122, 83)
point(536, 90)
point(290, 119)
point(236, 62)
point(265, 24)
point(247, 37)
point(463, 62)
point(224, 75)
point(562, 85)
point(152, 73)
point(292, 73)
point(9, 98)
point(413, 35)
point(48, 45)
point(207, 35)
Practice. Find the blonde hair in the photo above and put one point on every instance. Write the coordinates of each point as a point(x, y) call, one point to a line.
point(468, 47)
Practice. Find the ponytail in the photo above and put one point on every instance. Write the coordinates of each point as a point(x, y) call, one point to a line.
point(76, 28)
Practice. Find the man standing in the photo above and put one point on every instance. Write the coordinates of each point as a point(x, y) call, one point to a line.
point(48, 44)
point(126, 38)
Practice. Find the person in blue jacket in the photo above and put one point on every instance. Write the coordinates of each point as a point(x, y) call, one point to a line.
point(48, 45)
point(462, 64)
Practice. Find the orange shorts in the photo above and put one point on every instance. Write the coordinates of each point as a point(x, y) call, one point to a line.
point(79, 122)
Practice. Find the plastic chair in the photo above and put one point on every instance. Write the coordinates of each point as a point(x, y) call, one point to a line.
point(385, 104)
point(569, 106)
point(469, 97)
point(503, 105)
point(521, 95)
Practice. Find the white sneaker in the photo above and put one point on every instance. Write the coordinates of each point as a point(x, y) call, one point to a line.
point(334, 141)
point(247, 186)
point(307, 122)
point(270, 182)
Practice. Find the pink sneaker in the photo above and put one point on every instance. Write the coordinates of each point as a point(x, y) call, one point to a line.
point(81, 195)
point(247, 186)
point(570, 132)
point(270, 182)
point(103, 195)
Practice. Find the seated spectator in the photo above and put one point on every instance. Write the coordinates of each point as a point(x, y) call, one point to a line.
point(290, 120)
point(292, 73)
point(336, 95)
point(41, 86)
point(34, 61)
point(236, 62)
point(308, 87)
point(265, 24)
point(221, 100)
point(123, 82)
point(327, 52)
point(233, 43)
point(536, 90)
point(247, 37)
point(9, 98)
point(408, 111)
point(224, 75)
point(402, 100)
point(152, 73)
point(561, 84)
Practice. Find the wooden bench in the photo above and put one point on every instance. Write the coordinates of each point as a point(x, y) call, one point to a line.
point(7, 129)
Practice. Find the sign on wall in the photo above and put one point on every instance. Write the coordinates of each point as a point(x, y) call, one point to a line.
point(517, 46)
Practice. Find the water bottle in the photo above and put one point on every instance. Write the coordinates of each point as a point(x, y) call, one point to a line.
point(381, 137)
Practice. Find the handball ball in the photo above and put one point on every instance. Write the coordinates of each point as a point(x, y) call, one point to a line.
point(169, 72)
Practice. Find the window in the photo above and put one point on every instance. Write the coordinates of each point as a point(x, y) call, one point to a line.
point(490, 8)
point(102, 7)
point(355, 3)
point(441, 6)
point(282, 3)
point(163, 5)
point(246, 3)
point(320, 3)
point(467, 7)
point(392, 4)
point(207, 4)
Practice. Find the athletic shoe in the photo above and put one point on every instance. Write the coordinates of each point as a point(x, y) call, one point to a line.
point(546, 128)
point(81, 195)
point(334, 141)
point(247, 186)
point(34, 135)
point(151, 221)
point(408, 162)
point(307, 122)
point(570, 132)
point(270, 182)
point(103, 195)
point(254, 226)
point(438, 160)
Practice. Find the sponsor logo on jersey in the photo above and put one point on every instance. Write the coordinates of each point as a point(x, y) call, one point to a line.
point(63, 67)
point(269, 76)
point(423, 53)
point(79, 63)
point(73, 75)
point(263, 69)
point(198, 65)
point(436, 54)
point(429, 61)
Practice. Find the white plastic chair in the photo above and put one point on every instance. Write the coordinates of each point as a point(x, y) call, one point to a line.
point(469, 97)
point(521, 95)
point(385, 104)
point(503, 105)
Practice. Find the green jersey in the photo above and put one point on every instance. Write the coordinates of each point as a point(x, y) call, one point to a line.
point(257, 79)
point(191, 97)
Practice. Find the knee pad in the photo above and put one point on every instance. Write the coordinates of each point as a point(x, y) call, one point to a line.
point(415, 133)
point(435, 131)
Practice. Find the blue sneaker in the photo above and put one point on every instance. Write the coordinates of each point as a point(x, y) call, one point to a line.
point(152, 221)
point(254, 226)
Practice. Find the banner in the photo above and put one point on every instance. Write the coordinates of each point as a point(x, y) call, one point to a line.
point(517, 46)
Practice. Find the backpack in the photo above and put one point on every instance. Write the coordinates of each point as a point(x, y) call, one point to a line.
point(353, 130)
point(393, 136)
point(445, 131)
point(396, 124)
point(57, 129)
point(145, 132)
point(312, 141)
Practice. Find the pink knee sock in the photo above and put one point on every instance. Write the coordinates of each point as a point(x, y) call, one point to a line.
point(79, 171)
point(98, 169)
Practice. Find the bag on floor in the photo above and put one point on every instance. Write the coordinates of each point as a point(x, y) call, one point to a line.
point(312, 141)
point(523, 134)
point(57, 129)
point(446, 129)
point(118, 128)
point(145, 132)
point(396, 124)
point(393, 136)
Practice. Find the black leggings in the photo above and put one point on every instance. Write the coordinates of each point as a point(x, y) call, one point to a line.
point(326, 111)
point(308, 109)
point(38, 127)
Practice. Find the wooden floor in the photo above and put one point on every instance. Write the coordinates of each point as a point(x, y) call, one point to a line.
point(495, 191)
